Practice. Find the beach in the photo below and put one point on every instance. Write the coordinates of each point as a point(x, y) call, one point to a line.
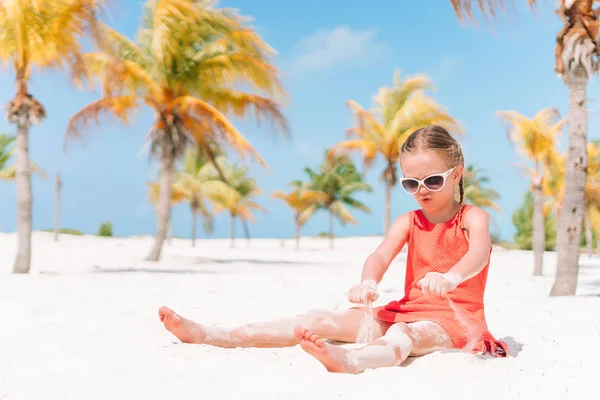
point(84, 324)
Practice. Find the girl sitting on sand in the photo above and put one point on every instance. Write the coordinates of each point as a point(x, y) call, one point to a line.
point(449, 249)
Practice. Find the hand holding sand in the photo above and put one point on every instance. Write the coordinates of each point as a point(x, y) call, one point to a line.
point(364, 292)
point(439, 284)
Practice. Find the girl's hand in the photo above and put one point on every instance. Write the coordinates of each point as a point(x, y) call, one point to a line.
point(363, 292)
point(439, 284)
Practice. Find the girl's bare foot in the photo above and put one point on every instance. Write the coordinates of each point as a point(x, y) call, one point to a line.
point(187, 331)
point(332, 357)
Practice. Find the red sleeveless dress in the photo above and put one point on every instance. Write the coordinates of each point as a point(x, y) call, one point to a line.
point(437, 248)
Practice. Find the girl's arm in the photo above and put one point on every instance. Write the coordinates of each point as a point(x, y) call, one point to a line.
point(379, 261)
point(477, 223)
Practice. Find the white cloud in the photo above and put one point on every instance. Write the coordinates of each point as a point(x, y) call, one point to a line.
point(326, 49)
point(305, 148)
point(446, 67)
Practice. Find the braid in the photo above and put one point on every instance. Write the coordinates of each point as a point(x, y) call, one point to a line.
point(461, 191)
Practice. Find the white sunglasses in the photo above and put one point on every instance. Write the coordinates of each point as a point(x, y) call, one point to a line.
point(433, 183)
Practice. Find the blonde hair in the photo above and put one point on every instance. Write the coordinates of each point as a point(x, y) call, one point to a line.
point(436, 138)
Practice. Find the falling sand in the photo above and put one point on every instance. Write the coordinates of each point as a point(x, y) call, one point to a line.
point(473, 331)
point(365, 334)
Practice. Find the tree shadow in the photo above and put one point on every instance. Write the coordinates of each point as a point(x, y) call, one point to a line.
point(207, 260)
point(119, 270)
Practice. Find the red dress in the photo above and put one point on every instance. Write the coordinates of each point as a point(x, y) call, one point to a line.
point(437, 248)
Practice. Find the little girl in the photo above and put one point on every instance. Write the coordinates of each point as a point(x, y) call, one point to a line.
point(449, 249)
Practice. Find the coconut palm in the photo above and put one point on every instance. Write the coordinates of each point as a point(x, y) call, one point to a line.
point(303, 201)
point(535, 138)
point(41, 34)
point(595, 224)
point(592, 191)
point(179, 194)
point(57, 189)
point(6, 153)
point(475, 191)
point(577, 51)
point(398, 111)
point(556, 186)
point(186, 63)
point(339, 179)
point(8, 172)
point(201, 183)
point(240, 206)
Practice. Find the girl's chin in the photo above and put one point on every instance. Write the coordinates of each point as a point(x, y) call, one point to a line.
point(426, 203)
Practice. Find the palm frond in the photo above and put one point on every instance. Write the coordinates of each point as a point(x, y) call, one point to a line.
point(119, 106)
point(198, 110)
point(341, 211)
point(239, 103)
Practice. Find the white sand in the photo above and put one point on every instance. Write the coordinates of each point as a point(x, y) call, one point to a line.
point(84, 325)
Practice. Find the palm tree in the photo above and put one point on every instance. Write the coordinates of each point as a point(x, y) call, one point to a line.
point(57, 188)
point(339, 179)
point(8, 172)
point(577, 52)
point(303, 201)
point(398, 111)
point(186, 64)
point(200, 182)
point(239, 206)
point(592, 191)
point(595, 224)
point(43, 34)
point(6, 153)
point(555, 187)
point(179, 194)
point(536, 139)
point(475, 191)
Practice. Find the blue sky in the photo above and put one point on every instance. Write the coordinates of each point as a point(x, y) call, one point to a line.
point(328, 54)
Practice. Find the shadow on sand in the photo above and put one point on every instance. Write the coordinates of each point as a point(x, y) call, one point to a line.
point(514, 348)
point(118, 270)
point(206, 260)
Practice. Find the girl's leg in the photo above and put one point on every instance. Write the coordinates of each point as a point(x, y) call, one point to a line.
point(400, 341)
point(341, 326)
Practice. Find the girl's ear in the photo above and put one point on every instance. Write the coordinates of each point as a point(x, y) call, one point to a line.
point(457, 174)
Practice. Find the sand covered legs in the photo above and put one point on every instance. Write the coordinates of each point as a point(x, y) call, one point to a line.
point(341, 326)
point(400, 341)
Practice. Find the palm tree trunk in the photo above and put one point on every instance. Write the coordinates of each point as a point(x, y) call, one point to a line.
point(246, 229)
point(193, 225)
point(297, 235)
point(232, 231)
point(163, 215)
point(330, 229)
point(538, 229)
point(388, 207)
point(170, 230)
point(57, 187)
point(588, 231)
point(24, 196)
point(569, 224)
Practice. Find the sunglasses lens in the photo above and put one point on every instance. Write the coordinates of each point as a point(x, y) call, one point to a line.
point(410, 185)
point(434, 182)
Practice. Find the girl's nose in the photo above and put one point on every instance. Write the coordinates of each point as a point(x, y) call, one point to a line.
point(423, 190)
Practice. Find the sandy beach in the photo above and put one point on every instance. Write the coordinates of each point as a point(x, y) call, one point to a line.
point(83, 324)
